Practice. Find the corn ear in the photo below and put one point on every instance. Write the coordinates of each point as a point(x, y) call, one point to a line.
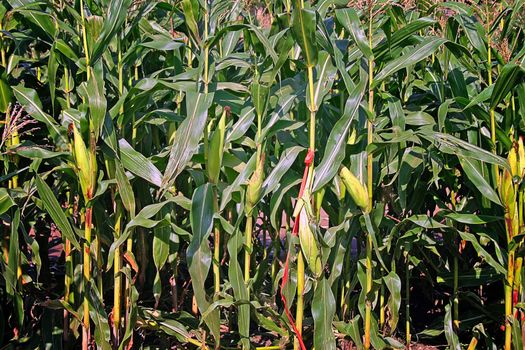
point(253, 191)
point(216, 147)
point(352, 138)
point(309, 244)
point(356, 189)
point(84, 163)
point(521, 154)
point(342, 189)
point(513, 160)
point(507, 192)
point(319, 196)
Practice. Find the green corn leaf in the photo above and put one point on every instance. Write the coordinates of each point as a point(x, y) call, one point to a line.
point(161, 246)
point(323, 311)
point(369, 226)
point(452, 145)
point(66, 50)
point(393, 283)
point(303, 29)
point(96, 98)
point(198, 253)
point(6, 201)
point(475, 33)
point(239, 181)
point(142, 219)
point(352, 329)
point(6, 94)
point(42, 20)
point(29, 99)
point(99, 317)
point(511, 75)
point(259, 93)
point(402, 35)
point(52, 67)
point(216, 150)
point(188, 136)
point(273, 180)
point(13, 257)
point(138, 164)
point(325, 74)
point(124, 188)
point(418, 53)
point(240, 291)
point(478, 174)
point(517, 337)
point(450, 334)
point(469, 237)
point(54, 210)
point(113, 21)
point(13, 286)
point(350, 20)
point(334, 152)
point(190, 9)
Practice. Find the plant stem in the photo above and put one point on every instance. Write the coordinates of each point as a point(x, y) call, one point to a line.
point(216, 253)
point(275, 260)
point(455, 293)
point(382, 304)
point(313, 109)
point(300, 299)
point(492, 113)
point(370, 131)
point(407, 302)
point(98, 250)
point(84, 39)
point(368, 306)
point(67, 284)
point(216, 262)
point(116, 276)
point(300, 259)
point(455, 304)
point(508, 301)
point(248, 243)
point(473, 343)
point(2, 49)
point(87, 275)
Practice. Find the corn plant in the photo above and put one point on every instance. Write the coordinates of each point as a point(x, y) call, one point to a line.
point(270, 175)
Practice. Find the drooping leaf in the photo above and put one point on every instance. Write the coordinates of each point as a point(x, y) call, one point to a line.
point(6, 201)
point(138, 164)
point(29, 99)
point(510, 76)
point(187, 136)
point(198, 253)
point(474, 171)
point(334, 152)
point(393, 283)
point(418, 53)
point(55, 211)
point(125, 190)
point(323, 311)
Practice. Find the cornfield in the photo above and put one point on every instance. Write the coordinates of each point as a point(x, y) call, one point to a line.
point(284, 174)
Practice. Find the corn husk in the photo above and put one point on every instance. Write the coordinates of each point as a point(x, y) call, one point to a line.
point(216, 150)
point(356, 189)
point(253, 192)
point(86, 166)
point(521, 154)
point(309, 244)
